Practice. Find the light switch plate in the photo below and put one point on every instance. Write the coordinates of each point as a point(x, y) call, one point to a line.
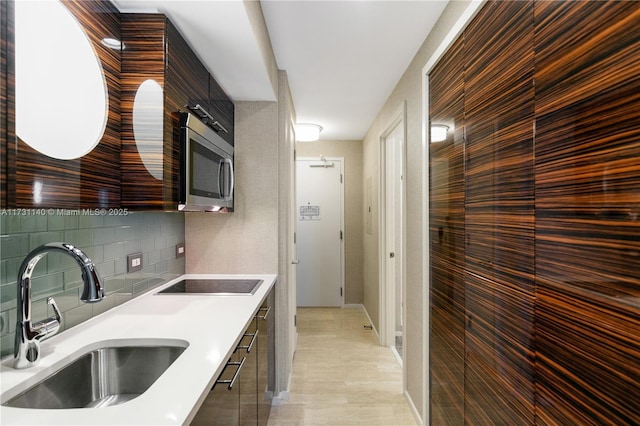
point(179, 250)
point(134, 262)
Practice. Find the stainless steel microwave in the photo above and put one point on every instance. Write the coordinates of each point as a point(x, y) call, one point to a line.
point(206, 167)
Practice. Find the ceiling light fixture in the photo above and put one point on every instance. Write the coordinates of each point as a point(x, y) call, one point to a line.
point(439, 132)
point(307, 132)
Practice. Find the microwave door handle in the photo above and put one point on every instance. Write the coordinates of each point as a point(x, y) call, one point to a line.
point(220, 177)
point(229, 197)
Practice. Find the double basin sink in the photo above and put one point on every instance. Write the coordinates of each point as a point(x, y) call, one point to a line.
point(112, 375)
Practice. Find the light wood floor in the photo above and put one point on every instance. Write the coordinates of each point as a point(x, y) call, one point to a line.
point(341, 376)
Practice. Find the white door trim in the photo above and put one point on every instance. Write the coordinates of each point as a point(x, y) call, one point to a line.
point(292, 258)
point(341, 160)
point(455, 31)
point(387, 318)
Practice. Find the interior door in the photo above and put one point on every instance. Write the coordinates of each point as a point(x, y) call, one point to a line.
point(393, 233)
point(319, 194)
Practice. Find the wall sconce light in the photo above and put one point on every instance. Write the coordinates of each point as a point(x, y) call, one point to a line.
point(307, 132)
point(439, 132)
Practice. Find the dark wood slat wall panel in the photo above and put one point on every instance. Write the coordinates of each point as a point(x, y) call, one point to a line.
point(446, 104)
point(499, 215)
point(94, 179)
point(588, 212)
point(7, 100)
point(553, 242)
point(499, 142)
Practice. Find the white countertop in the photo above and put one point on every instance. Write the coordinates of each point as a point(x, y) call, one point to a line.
point(210, 324)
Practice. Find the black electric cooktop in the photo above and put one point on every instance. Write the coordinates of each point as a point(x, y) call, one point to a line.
point(214, 286)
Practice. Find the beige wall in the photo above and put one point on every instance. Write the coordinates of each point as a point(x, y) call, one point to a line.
point(253, 238)
point(285, 290)
point(353, 195)
point(254, 12)
point(246, 240)
point(409, 90)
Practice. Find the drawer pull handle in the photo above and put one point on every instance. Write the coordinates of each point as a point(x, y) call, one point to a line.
point(232, 382)
point(250, 345)
point(266, 313)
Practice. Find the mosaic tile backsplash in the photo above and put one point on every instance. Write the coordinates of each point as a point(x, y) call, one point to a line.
point(106, 237)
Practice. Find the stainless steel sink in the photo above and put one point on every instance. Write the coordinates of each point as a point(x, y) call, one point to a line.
point(226, 287)
point(102, 377)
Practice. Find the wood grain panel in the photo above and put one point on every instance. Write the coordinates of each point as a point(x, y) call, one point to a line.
point(157, 51)
point(499, 215)
point(588, 212)
point(587, 356)
point(499, 376)
point(142, 60)
point(584, 188)
point(446, 210)
point(222, 108)
point(7, 99)
point(94, 179)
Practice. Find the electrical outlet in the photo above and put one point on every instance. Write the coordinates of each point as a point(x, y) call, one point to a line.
point(134, 262)
point(179, 250)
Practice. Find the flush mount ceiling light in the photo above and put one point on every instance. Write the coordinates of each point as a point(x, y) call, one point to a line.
point(439, 132)
point(307, 132)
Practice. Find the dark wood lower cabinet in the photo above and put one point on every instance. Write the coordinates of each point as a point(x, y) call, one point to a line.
point(248, 377)
point(265, 321)
point(222, 405)
point(242, 394)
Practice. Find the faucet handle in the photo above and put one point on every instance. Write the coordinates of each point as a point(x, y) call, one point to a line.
point(56, 311)
point(50, 326)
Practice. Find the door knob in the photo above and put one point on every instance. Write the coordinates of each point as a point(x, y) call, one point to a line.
point(295, 262)
point(392, 255)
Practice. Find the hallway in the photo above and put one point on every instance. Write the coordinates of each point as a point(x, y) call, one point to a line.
point(341, 376)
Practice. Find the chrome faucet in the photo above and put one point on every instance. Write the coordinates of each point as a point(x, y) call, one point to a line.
point(26, 351)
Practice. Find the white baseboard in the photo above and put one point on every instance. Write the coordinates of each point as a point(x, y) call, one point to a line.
point(395, 353)
point(414, 410)
point(373, 327)
point(353, 305)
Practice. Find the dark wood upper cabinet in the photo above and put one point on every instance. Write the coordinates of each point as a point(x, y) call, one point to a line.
point(37, 180)
point(222, 108)
point(7, 95)
point(161, 76)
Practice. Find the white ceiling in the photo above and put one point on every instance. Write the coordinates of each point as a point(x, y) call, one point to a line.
point(343, 58)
